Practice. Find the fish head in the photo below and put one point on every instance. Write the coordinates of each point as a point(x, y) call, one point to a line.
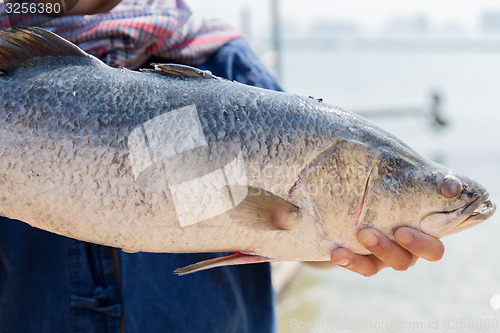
point(353, 185)
point(460, 204)
point(426, 196)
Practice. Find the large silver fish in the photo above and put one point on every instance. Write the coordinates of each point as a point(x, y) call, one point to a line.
point(178, 160)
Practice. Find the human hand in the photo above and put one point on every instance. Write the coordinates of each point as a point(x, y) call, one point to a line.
point(401, 254)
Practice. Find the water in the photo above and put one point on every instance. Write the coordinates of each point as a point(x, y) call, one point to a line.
point(460, 293)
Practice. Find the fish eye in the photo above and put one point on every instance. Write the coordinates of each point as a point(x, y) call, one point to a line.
point(452, 186)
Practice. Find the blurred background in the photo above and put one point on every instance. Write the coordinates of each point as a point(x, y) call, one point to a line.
point(429, 72)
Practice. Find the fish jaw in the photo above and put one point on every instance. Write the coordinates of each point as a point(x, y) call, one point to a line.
point(480, 214)
point(447, 223)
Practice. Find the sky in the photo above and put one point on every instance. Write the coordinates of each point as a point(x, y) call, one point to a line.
point(370, 15)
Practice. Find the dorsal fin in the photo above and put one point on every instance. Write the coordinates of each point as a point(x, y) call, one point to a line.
point(18, 45)
point(179, 70)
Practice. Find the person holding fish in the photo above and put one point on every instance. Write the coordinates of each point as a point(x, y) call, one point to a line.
point(50, 283)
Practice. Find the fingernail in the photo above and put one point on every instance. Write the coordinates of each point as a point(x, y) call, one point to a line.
point(369, 239)
point(339, 257)
point(404, 237)
point(343, 261)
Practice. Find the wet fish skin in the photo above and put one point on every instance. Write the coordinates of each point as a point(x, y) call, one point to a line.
point(66, 163)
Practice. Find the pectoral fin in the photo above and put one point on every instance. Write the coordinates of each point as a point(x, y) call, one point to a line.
point(233, 259)
point(263, 210)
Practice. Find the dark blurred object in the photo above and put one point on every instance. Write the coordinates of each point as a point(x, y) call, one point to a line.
point(436, 111)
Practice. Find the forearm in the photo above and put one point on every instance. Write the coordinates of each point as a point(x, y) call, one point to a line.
point(85, 7)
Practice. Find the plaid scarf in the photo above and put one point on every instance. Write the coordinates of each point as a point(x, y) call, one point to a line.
point(135, 30)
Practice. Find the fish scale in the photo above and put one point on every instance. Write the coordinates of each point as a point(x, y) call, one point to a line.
point(177, 160)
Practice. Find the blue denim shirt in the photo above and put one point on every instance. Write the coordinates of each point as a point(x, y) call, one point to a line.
point(50, 283)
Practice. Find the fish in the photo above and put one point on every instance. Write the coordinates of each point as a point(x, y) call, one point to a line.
point(175, 159)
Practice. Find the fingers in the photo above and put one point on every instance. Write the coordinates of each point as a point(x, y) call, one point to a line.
point(421, 245)
point(366, 265)
point(401, 254)
point(391, 253)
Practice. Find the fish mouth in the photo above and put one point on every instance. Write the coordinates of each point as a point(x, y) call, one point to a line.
point(441, 224)
point(474, 213)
